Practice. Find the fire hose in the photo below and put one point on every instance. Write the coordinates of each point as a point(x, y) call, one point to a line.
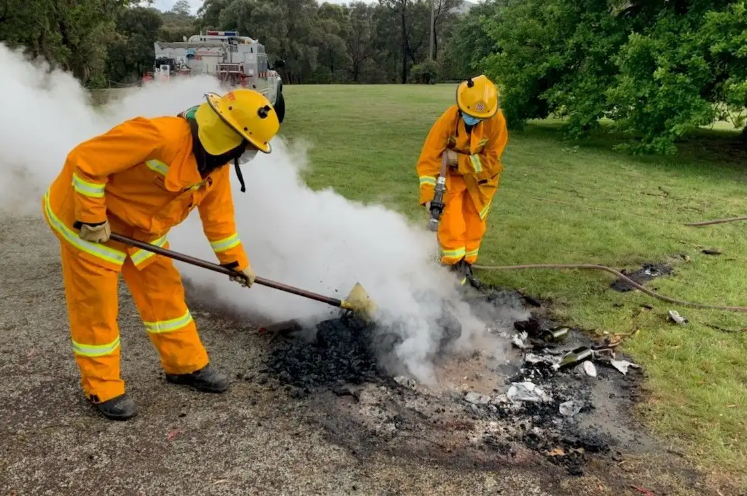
point(717, 221)
point(618, 274)
point(437, 206)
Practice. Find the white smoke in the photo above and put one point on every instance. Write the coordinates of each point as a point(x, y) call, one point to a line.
point(316, 240)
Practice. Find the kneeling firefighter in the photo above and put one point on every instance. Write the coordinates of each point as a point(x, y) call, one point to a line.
point(472, 134)
point(139, 179)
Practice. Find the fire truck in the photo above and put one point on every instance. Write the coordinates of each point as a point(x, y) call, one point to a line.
point(235, 60)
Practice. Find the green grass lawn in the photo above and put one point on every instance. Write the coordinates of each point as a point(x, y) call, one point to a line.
point(563, 202)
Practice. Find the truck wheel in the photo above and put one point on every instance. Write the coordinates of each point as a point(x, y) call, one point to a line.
point(280, 107)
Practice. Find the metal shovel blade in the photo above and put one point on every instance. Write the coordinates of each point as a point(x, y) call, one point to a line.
point(359, 302)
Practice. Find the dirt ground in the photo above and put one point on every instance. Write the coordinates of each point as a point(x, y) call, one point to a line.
point(255, 439)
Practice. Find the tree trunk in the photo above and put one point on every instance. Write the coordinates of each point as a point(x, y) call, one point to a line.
point(404, 42)
point(435, 42)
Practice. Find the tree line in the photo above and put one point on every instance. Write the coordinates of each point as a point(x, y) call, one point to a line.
point(106, 42)
point(655, 68)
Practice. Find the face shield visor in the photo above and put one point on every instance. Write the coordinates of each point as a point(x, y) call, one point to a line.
point(249, 154)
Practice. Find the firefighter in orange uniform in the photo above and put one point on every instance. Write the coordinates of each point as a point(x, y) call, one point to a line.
point(139, 179)
point(472, 133)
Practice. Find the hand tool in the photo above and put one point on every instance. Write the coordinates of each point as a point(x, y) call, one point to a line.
point(358, 301)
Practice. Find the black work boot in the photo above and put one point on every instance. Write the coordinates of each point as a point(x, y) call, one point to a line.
point(118, 408)
point(460, 270)
point(471, 279)
point(207, 380)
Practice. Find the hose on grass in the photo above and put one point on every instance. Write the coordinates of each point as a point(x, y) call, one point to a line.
point(618, 274)
point(717, 221)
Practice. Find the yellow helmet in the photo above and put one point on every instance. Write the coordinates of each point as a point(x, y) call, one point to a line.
point(225, 121)
point(478, 97)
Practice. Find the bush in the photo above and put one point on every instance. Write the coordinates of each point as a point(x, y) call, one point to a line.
point(426, 72)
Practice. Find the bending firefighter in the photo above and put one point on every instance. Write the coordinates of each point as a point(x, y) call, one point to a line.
point(472, 135)
point(139, 179)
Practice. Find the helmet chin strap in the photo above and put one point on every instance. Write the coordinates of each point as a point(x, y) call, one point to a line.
point(239, 175)
point(206, 163)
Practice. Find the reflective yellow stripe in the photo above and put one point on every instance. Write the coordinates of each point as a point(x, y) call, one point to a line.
point(157, 166)
point(168, 325)
point(483, 142)
point(95, 350)
point(458, 253)
point(104, 252)
point(226, 243)
point(141, 256)
point(427, 180)
point(476, 164)
point(472, 253)
point(484, 211)
point(198, 185)
point(88, 189)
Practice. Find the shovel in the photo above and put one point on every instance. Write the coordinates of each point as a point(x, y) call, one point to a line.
point(357, 301)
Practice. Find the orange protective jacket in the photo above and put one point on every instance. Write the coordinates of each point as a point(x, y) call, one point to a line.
point(479, 156)
point(142, 176)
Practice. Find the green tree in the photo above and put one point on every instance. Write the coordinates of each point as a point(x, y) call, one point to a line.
point(132, 53)
point(333, 27)
point(444, 16)
point(659, 68)
point(468, 43)
point(178, 24)
point(678, 70)
point(359, 38)
point(72, 34)
point(287, 29)
point(208, 14)
point(411, 35)
point(182, 8)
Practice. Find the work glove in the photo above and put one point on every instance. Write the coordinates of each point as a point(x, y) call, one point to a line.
point(428, 207)
point(246, 277)
point(96, 233)
point(452, 158)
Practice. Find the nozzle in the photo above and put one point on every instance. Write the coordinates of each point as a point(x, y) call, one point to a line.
point(433, 225)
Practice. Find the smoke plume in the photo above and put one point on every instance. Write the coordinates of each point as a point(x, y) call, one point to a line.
point(316, 240)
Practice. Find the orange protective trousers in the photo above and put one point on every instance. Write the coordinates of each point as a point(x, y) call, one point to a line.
point(91, 293)
point(460, 230)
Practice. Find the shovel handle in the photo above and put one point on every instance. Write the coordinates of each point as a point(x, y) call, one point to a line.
point(224, 270)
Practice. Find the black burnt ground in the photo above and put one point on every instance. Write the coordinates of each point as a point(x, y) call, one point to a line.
point(540, 426)
point(646, 273)
point(347, 352)
point(341, 351)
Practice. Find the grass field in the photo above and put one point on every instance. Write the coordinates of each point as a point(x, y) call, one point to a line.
point(563, 202)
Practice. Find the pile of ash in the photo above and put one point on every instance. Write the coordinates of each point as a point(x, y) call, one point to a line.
point(344, 350)
point(567, 400)
point(341, 351)
point(556, 392)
